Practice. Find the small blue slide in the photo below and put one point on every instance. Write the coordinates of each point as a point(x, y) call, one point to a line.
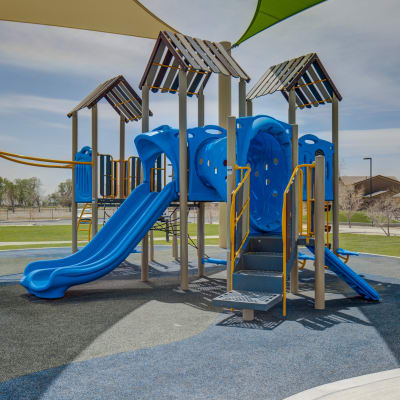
point(337, 266)
point(50, 279)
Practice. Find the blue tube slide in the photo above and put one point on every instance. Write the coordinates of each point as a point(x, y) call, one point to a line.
point(51, 278)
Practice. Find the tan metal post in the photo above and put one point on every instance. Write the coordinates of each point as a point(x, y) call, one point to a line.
point(335, 203)
point(319, 227)
point(230, 187)
point(183, 181)
point(74, 207)
point(121, 156)
point(294, 273)
point(175, 236)
point(201, 209)
point(224, 111)
point(95, 177)
point(242, 97)
point(145, 240)
point(249, 108)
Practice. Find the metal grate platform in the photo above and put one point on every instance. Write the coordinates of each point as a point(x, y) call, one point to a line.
point(260, 301)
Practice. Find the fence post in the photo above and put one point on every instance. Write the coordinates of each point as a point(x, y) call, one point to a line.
point(319, 228)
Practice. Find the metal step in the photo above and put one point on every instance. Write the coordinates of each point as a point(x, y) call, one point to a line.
point(257, 280)
point(249, 300)
point(267, 261)
point(270, 243)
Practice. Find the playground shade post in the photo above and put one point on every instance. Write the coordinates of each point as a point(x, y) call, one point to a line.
point(319, 227)
point(94, 171)
point(145, 240)
point(183, 178)
point(224, 111)
point(335, 203)
point(294, 273)
point(74, 206)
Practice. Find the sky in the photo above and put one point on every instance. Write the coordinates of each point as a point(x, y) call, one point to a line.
point(45, 71)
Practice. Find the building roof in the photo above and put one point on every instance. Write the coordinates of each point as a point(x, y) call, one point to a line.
point(119, 94)
point(199, 58)
point(393, 179)
point(118, 16)
point(351, 180)
point(306, 74)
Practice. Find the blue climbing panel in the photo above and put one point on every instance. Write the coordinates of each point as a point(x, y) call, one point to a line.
point(83, 176)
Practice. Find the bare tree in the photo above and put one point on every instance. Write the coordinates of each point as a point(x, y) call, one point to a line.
point(350, 200)
point(382, 211)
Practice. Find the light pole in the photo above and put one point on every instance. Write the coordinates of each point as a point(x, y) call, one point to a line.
point(370, 175)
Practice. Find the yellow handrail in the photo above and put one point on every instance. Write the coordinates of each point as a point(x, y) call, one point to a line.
point(234, 220)
point(297, 170)
point(86, 207)
point(68, 164)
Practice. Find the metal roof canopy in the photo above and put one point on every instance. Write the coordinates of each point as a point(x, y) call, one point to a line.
point(119, 94)
point(306, 75)
point(174, 51)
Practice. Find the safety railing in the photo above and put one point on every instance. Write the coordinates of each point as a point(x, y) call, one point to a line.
point(289, 233)
point(158, 175)
point(240, 208)
point(50, 163)
point(85, 218)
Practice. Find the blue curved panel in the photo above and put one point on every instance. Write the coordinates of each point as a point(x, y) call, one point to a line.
point(83, 176)
point(311, 145)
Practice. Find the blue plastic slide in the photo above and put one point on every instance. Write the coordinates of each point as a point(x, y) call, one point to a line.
point(51, 278)
point(337, 266)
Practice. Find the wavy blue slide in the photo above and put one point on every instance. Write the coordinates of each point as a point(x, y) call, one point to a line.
point(344, 272)
point(50, 279)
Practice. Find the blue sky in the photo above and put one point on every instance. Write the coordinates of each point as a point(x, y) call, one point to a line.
point(46, 71)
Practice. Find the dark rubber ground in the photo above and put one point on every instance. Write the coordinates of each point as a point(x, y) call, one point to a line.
point(119, 338)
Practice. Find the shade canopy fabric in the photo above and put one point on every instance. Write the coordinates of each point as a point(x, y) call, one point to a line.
point(123, 17)
point(270, 12)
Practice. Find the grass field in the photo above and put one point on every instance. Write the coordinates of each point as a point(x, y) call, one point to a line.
point(377, 244)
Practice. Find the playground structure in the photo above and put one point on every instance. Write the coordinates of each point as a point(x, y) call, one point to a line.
point(252, 163)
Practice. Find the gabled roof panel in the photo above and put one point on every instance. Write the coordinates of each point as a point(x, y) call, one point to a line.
point(305, 74)
point(119, 94)
point(198, 58)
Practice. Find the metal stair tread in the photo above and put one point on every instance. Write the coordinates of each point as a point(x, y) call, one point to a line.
point(257, 272)
point(264, 253)
point(246, 299)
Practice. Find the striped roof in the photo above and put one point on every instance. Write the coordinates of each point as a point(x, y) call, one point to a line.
point(120, 95)
point(306, 74)
point(199, 58)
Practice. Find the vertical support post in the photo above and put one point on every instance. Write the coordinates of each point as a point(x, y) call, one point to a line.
point(294, 273)
point(242, 98)
point(231, 184)
point(175, 236)
point(224, 111)
point(121, 157)
point(74, 208)
point(201, 209)
point(145, 240)
point(335, 203)
point(319, 226)
point(95, 177)
point(249, 108)
point(183, 178)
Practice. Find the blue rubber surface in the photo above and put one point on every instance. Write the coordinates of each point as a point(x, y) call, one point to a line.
point(337, 266)
point(114, 242)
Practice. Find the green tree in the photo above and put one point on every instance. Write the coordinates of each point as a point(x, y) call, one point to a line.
point(11, 194)
point(3, 190)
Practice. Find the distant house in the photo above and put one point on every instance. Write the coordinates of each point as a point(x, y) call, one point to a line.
point(382, 186)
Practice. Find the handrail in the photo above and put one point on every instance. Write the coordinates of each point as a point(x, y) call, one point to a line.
point(68, 164)
point(234, 220)
point(87, 206)
point(297, 170)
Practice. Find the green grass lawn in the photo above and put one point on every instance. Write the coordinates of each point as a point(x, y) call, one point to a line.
point(363, 243)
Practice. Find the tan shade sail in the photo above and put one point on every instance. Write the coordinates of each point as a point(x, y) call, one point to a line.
point(123, 17)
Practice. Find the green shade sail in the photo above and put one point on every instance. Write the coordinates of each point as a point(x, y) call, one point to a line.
point(270, 12)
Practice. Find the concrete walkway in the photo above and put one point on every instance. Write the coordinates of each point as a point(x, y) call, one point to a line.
point(382, 386)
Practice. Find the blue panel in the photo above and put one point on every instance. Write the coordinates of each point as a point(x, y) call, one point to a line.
point(83, 176)
point(309, 146)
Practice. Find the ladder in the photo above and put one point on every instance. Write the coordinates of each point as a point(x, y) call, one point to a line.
point(85, 221)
